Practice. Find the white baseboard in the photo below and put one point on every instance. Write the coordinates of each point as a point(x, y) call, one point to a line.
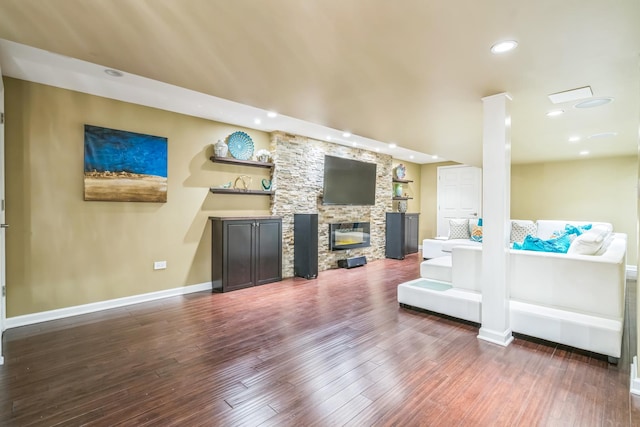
point(503, 338)
point(635, 381)
point(45, 316)
point(632, 272)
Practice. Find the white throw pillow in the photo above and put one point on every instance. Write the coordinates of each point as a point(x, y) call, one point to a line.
point(591, 241)
point(459, 229)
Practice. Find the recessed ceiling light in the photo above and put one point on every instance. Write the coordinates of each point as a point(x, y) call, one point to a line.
point(378, 150)
point(434, 156)
point(554, 113)
point(584, 153)
point(257, 121)
point(412, 156)
point(113, 73)
point(504, 46)
point(603, 135)
point(272, 114)
point(574, 138)
point(355, 144)
point(571, 95)
point(595, 102)
point(328, 138)
point(346, 134)
point(392, 145)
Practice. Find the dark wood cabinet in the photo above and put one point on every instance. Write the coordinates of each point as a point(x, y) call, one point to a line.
point(245, 252)
point(401, 234)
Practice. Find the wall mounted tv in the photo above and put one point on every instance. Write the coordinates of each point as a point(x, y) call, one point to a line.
point(348, 182)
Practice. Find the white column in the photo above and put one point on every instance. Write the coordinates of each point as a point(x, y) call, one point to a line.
point(635, 368)
point(496, 197)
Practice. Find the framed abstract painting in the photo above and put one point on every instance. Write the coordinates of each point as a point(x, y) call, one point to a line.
point(122, 166)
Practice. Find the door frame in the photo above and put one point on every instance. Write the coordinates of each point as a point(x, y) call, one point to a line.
point(3, 275)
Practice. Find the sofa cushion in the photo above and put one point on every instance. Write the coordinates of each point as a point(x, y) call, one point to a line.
point(546, 227)
point(459, 229)
point(521, 229)
point(572, 230)
point(448, 245)
point(437, 269)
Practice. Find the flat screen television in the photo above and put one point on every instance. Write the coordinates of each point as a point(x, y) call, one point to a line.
point(348, 182)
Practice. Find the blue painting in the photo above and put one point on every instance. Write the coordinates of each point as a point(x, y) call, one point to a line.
point(124, 166)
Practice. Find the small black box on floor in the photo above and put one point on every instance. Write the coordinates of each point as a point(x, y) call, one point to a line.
point(352, 262)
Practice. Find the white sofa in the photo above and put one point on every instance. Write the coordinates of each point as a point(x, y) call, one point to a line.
point(573, 299)
point(441, 246)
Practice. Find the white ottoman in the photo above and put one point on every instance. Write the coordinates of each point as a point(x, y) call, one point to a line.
point(437, 269)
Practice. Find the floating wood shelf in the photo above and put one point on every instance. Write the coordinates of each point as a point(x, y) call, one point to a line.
point(232, 161)
point(402, 198)
point(404, 181)
point(246, 192)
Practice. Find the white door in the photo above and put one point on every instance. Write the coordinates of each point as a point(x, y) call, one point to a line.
point(459, 195)
point(3, 276)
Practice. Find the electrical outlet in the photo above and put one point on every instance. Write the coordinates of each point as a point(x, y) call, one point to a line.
point(160, 265)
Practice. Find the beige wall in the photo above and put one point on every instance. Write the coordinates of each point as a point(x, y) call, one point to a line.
point(591, 189)
point(63, 251)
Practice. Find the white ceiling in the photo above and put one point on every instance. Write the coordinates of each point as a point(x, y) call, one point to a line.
point(412, 72)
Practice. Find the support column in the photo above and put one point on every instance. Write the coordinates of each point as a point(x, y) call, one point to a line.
point(496, 226)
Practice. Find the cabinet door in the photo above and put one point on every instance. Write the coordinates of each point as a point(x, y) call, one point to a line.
point(238, 256)
point(268, 261)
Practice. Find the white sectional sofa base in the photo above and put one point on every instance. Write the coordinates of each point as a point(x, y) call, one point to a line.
point(576, 300)
point(452, 302)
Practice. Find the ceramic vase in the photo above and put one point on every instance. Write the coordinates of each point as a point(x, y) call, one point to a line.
point(220, 148)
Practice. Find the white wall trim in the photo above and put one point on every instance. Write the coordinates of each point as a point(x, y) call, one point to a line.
point(45, 316)
point(635, 381)
point(503, 338)
point(632, 272)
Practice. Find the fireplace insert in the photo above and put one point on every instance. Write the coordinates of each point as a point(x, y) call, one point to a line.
point(349, 235)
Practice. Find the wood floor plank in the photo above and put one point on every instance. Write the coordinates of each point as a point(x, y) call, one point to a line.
point(336, 350)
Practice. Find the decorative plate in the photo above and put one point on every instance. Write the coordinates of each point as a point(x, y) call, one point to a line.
point(240, 145)
point(401, 171)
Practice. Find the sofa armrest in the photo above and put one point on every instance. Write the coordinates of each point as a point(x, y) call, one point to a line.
point(466, 267)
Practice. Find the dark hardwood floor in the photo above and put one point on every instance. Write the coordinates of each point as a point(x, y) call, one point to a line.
point(333, 351)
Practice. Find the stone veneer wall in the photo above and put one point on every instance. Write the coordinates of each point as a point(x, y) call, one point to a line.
point(297, 181)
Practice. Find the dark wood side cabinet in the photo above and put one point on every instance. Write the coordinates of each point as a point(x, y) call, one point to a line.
point(401, 234)
point(245, 252)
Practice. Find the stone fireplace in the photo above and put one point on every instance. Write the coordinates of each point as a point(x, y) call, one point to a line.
point(297, 181)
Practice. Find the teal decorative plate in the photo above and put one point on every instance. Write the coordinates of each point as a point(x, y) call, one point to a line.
point(240, 145)
point(401, 171)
